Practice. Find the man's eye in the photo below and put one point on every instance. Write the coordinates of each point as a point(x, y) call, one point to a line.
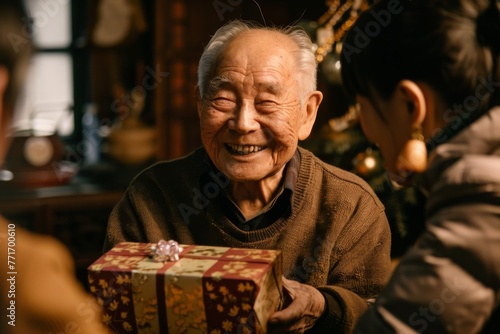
point(222, 102)
point(266, 105)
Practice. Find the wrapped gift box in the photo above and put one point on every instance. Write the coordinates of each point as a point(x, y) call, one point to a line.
point(209, 289)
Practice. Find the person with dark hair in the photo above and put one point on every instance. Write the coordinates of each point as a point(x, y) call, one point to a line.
point(39, 292)
point(426, 76)
point(251, 186)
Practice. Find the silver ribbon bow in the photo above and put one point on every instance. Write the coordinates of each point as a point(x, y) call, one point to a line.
point(166, 251)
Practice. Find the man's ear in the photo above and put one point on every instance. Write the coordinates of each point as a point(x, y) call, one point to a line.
point(309, 112)
point(413, 98)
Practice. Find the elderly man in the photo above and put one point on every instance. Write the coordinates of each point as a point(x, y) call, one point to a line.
point(251, 186)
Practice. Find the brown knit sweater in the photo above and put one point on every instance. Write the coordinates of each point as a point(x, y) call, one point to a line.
point(336, 238)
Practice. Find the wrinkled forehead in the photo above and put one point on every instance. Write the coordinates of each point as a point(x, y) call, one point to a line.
point(258, 48)
point(259, 60)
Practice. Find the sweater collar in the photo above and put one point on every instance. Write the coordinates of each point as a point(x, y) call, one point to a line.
point(279, 206)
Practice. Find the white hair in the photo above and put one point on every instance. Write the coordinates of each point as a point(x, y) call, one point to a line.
point(304, 55)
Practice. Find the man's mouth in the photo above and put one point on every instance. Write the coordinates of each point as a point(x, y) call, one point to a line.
point(244, 149)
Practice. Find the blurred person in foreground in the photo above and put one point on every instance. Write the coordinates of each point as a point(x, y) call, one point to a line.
point(39, 293)
point(251, 186)
point(428, 89)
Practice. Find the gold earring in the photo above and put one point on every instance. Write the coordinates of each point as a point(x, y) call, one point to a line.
point(413, 156)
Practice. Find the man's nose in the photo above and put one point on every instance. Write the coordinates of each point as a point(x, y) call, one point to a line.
point(245, 118)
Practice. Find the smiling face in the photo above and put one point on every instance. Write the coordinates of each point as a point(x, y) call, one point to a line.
point(251, 117)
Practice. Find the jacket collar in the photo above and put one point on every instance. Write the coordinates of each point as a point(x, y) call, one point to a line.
point(481, 137)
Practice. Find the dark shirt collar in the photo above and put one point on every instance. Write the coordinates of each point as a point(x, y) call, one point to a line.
point(279, 207)
point(292, 172)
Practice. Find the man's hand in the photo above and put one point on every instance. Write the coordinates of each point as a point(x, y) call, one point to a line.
point(305, 306)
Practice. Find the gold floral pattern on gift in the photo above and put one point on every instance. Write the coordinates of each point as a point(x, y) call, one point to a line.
point(118, 261)
point(207, 251)
point(254, 254)
point(238, 268)
point(184, 297)
point(145, 302)
point(112, 293)
point(187, 308)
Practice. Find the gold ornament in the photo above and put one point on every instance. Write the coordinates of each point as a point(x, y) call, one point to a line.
point(413, 156)
point(334, 25)
point(367, 163)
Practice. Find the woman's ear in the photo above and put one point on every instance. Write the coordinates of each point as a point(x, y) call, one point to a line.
point(413, 156)
point(413, 97)
point(309, 112)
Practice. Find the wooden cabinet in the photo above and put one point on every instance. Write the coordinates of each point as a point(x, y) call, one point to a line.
point(76, 214)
